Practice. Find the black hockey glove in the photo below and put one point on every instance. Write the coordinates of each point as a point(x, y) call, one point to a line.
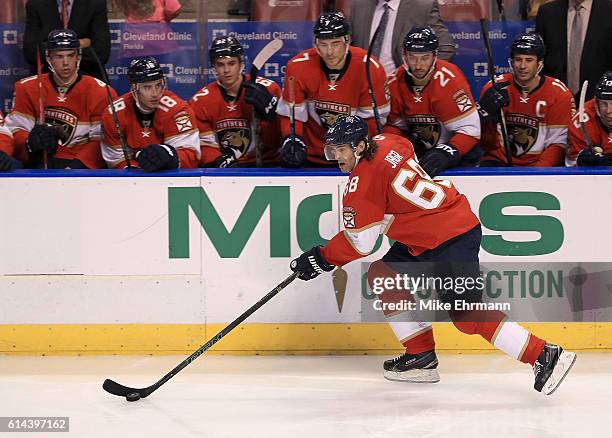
point(492, 101)
point(310, 264)
point(42, 138)
point(8, 163)
point(157, 157)
point(439, 159)
point(225, 160)
point(293, 152)
point(587, 157)
point(64, 163)
point(263, 101)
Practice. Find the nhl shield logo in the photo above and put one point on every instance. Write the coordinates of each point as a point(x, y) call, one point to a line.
point(64, 122)
point(522, 133)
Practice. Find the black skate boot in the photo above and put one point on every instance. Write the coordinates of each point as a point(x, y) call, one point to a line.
point(551, 367)
point(417, 368)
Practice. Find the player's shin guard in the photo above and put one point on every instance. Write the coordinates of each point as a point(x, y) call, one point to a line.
point(551, 367)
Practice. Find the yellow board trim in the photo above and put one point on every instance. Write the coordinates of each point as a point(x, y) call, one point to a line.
point(77, 339)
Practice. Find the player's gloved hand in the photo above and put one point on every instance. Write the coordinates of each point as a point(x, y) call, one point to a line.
point(310, 264)
point(293, 152)
point(42, 138)
point(439, 158)
point(8, 163)
point(225, 160)
point(263, 101)
point(492, 101)
point(587, 157)
point(157, 157)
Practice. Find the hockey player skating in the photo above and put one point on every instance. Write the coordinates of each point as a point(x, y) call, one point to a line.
point(431, 104)
point(224, 110)
point(537, 108)
point(322, 83)
point(158, 126)
point(430, 221)
point(73, 106)
point(598, 128)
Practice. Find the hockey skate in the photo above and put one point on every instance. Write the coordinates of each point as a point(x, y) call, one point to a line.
point(551, 367)
point(416, 368)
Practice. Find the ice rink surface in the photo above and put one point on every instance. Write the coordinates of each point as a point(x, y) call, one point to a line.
point(322, 396)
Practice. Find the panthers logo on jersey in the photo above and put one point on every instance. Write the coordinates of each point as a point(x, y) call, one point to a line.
point(234, 134)
point(64, 122)
point(425, 127)
point(328, 112)
point(522, 133)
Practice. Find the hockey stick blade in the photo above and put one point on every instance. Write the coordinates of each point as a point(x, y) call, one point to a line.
point(117, 389)
point(264, 55)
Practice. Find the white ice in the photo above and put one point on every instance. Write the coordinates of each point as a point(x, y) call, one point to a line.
point(294, 397)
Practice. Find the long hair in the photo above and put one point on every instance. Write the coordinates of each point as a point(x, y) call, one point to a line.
point(370, 150)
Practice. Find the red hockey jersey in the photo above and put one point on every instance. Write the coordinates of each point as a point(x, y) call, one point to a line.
point(392, 195)
point(225, 123)
point(7, 144)
point(76, 114)
point(443, 111)
point(597, 132)
point(172, 123)
point(537, 124)
point(319, 100)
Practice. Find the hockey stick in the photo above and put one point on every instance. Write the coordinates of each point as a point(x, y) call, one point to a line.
point(369, 80)
point(291, 85)
point(262, 57)
point(124, 148)
point(491, 66)
point(137, 393)
point(41, 105)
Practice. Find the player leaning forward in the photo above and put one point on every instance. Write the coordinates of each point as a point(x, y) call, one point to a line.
point(72, 108)
point(388, 192)
point(328, 80)
point(158, 126)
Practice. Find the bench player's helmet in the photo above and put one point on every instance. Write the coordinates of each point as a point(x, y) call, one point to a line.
point(331, 25)
point(528, 44)
point(603, 91)
point(421, 39)
point(225, 46)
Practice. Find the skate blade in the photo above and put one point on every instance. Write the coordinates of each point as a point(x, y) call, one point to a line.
point(413, 376)
point(563, 366)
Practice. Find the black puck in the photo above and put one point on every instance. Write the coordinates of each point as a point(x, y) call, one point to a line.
point(132, 396)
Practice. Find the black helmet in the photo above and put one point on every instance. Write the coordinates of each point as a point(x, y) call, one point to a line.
point(225, 46)
point(347, 130)
point(144, 70)
point(421, 39)
point(528, 44)
point(331, 25)
point(63, 39)
point(603, 91)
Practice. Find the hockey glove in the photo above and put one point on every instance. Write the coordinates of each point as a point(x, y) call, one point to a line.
point(293, 152)
point(8, 163)
point(261, 99)
point(157, 157)
point(42, 138)
point(225, 160)
point(492, 101)
point(439, 159)
point(587, 157)
point(310, 264)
